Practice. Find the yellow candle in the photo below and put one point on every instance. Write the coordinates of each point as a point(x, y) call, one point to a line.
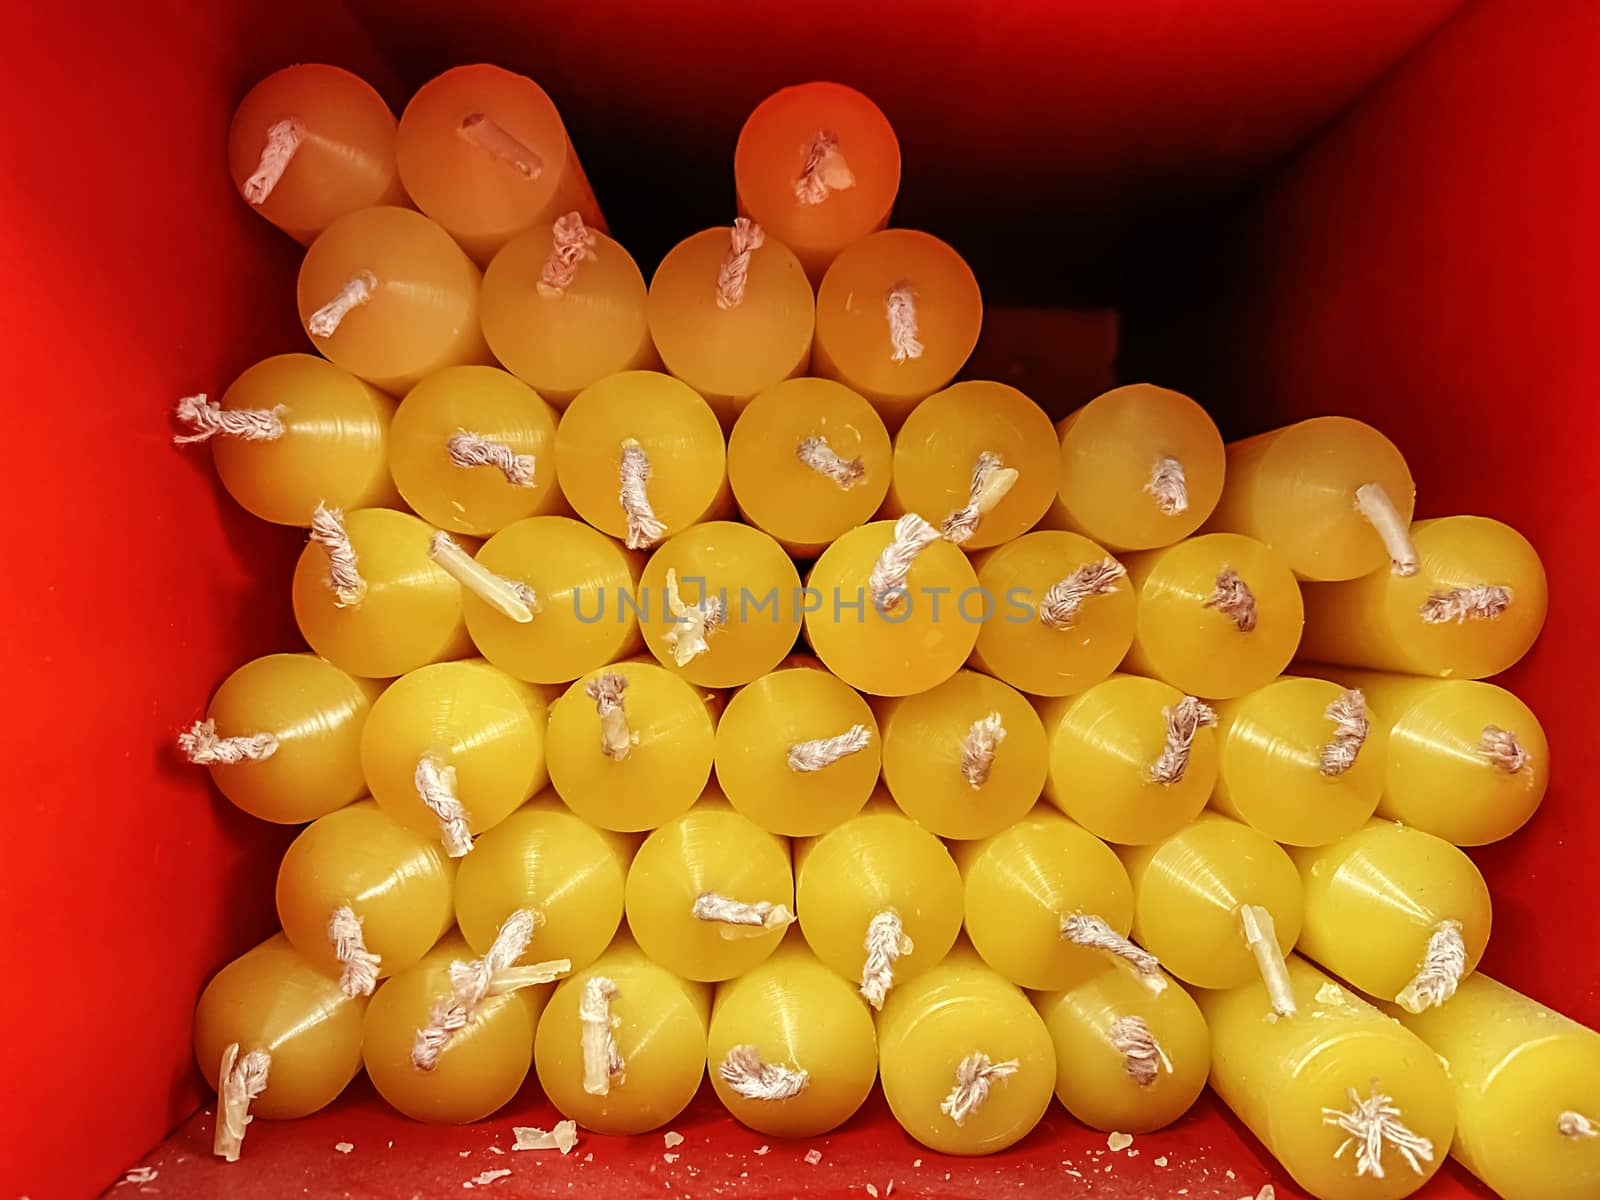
point(1466, 761)
point(1064, 617)
point(563, 306)
point(282, 737)
point(1210, 898)
point(1527, 1090)
point(879, 898)
point(451, 1040)
point(731, 313)
point(791, 1048)
point(566, 872)
point(1473, 608)
point(964, 759)
point(275, 1038)
point(1352, 1105)
point(385, 293)
point(621, 1047)
point(630, 746)
point(898, 313)
point(309, 144)
point(293, 432)
point(808, 459)
point(363, 897)
point(1040, 897)
point(1132, 1050)
point(484, 153)
point(819, 166)
point(473, 449)
point(893, 608)
point(1332, 495)
point(1141, 467)
point(719, 604)
point(967, 1063)
point(1218, 615)
point(1131, 759)
point(369, 597)
point(452, 749)
point(640, 456)
point(1302, 760)
point(1397, 912)
point(798, 750)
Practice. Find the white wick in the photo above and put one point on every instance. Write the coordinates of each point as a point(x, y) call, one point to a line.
point(283, 139)
point(691, 624)
point(207, 420)
point(1169, 486)
point(496, 141)
point(900, 306)
point(240, 1081)
point(1348, 712)
point(824, 752)
point(733, 276)
point(467, 449)
point(1373, 503)
point(616, 739)
point(1502, 748)
point(1059, 606)
point(1575, 1125)
point(976, 1074)
point(633, 472)
point(1233, 598)
point(344, 579)
point(1184, 721)
point(201, 745)
point(601, 1058)
point(978, 749)
point(887, 583)
point(1261, 935)
point(824, 170)
point(1371, 1123)
point(742, 920)
point(436, 786)
point(751, 1076)
point(1093, 933)
point(1482, 602)
point(361, 966)
point(824, 460)
point(886, 942)
point(325, 322)
point(508, 597)
point(571, 242)
point(1443, 964)
point(1142, 1054)
point(991, 480)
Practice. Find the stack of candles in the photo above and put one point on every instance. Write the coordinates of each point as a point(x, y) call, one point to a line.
point(802, 716)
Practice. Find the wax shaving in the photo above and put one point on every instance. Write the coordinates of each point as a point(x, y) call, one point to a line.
point(1118, 1141)
point(813, 1157)
point(563, 1137)
point(141, 1175)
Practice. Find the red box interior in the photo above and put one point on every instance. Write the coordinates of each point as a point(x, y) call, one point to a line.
point(1376, 207)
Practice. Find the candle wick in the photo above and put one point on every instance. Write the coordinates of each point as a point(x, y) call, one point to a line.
point(644, 529)
point(601, 1058)
point(886, 942)
point(343, 578)
point(1169, 486)
point(361, 966)
point(325, 322)
point(691, 624)
point(991, 481)
point(824, 171)
point(202, 747)
point(467, 449)
point(1502, 748)
point(1261, 935)
point(1348, 712)
point(1443, 965)
point(824, 460)
point(1373, 503)
point(978, 749)
point(1233, 598)
point(240, 1081)
point(283, 139)
point(508, 597)
point(436, 786)
point(976, 1074)
point(887, 583)
point(1094, 933)
point(1059, 607)
point(571, 243)
point(616, 740)
point(1372, 1123)
point(751, 1076)
point(1184, 721)
point(824, 752)
point(733, 276)
point(900, 306)
point(1142, 1055)
point(1575, 1125)
point(206, 420)
point(498, 143)
point(743, 920)
point(1480, 602)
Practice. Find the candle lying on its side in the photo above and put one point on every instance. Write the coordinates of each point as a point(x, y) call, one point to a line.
point(798, 750)
point(630, 745)
point(362, 897)
point(1353, 1105)
point(563, 306)
point(1473, 608)
point(1332, 495)
point(295, 431)
point(282, 737)
point(1131, 759)
point(1141, 467)
point(898, 314)
point(1132, 1050)
point(385, 294)
point(967, 1064)
point(309, 144)
point(1064, 613)
point(1045, 901)
point(1219, 615)
point(1301, 760)
point(483, 152)
point(275, 1038)
point(791, 1049)
point(818, 165)
point(964, 759)
point(978, 460)
point(731, 314)
point(621, 1047)
point(452, 749)
point(1527, 1090)
point(1397, 912)
point(808, 459)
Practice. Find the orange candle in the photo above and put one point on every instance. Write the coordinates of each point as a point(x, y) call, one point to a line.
point(819, 165)
point(898, 314)
point(309, 144)
point(484, 153)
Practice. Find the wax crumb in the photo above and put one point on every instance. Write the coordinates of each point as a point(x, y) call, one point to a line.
point(916, 1162)
point(563, 1137)
point(1267, 1192)
point(763, 1149)
point(589, 1157)
point(1230, 1172)
point(1133, 1154)
point(947, 1174)
point(1119, 1141)
point(813, 1157)
point(140, 1175)
point(1074, 1174)
point(488, 1177)
point(670, 1158)
point(1162, 1161)
point(872, 1190)
point(744, 1174)
point(344, 1147)
point(496, 1150)
point(672, 1138)
point(464, 1153)
point(391, 1145)
point(889, 1191)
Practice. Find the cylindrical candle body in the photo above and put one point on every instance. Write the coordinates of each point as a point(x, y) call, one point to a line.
point(798, 750)
point(1053, 643)
point(1218, 615)
point(1473, 608)
point(1188, 890)
point(818, 166)
point(1290, 1080)
point(1141, 467)
point(967, 1064)
point(400, 297)
point(484, 153)
point(1283, 767)
point(964, 759)
point(898, 313)
point(807, 460)
point(1118, 765)
point(309, 144)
